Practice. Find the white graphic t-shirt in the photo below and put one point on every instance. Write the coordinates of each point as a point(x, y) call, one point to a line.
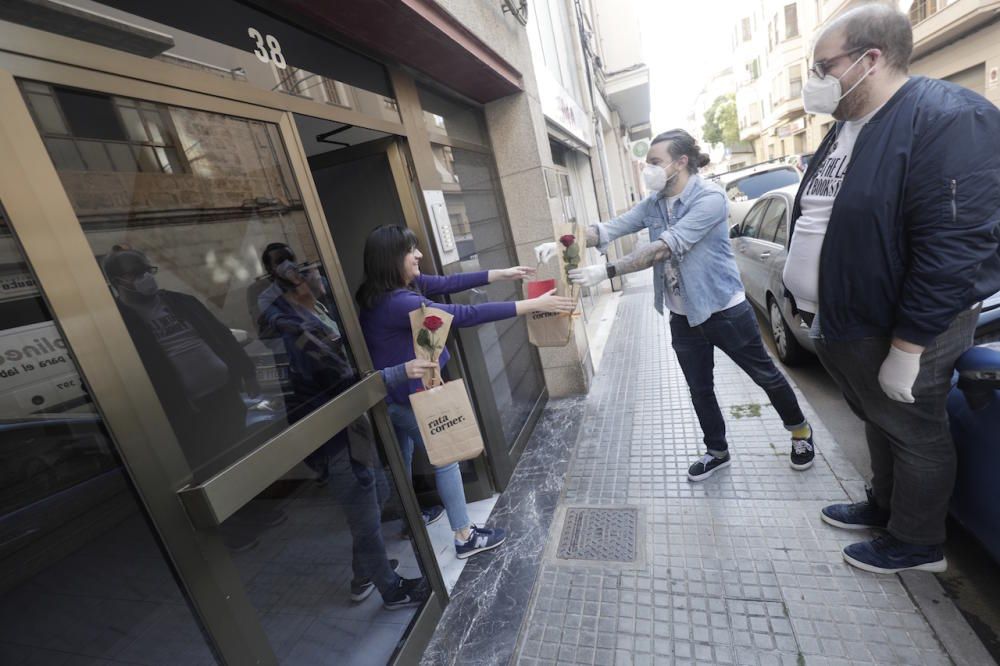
point(801, 273)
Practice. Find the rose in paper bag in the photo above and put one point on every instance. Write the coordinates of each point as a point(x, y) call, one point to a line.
point(571, 253)
point(427, 339)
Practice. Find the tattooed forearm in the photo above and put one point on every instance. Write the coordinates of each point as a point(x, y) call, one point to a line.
point(593, 237)
point(643, 257)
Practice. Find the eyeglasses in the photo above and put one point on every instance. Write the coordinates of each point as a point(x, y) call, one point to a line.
point(134, 275)
point(822, 67)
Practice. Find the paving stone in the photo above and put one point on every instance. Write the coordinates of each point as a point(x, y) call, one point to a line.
point(738, 569)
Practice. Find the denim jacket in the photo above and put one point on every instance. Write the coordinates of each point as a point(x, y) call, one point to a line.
point(697, 233)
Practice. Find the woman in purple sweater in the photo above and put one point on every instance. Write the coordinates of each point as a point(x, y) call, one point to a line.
point(393, 288)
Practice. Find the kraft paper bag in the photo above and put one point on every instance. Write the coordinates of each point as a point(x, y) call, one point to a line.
point(430, 328)
point(447, 423)
point(547, 329)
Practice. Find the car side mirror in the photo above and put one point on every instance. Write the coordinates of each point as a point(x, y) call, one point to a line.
point(734, 231)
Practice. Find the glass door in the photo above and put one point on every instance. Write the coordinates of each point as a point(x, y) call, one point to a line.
point(361, 187)
point(211, 317)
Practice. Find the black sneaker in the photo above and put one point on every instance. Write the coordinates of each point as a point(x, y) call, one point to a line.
point(431, 516)
point(362, 588)
point(480, 540)
point(857, 516)
point(887, 555)
point(803, 452)
point(408, 593)
point(706, 467)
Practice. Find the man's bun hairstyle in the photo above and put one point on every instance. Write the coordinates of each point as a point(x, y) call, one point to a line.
point(680, 144)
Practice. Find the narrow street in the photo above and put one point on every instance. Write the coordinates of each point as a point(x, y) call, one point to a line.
point(737, 569)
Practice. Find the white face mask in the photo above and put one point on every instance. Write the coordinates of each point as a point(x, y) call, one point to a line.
point(656, 177)
point(823, 95)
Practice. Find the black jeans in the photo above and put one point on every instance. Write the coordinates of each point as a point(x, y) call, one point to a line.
point(735, 332)
point(913, 455)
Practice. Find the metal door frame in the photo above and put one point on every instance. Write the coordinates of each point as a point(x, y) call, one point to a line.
point(403, 177)
point(46, 227)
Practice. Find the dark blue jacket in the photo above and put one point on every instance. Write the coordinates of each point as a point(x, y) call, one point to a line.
point(914, 236)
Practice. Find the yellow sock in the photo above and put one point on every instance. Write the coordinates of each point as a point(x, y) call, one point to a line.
point(805, 432)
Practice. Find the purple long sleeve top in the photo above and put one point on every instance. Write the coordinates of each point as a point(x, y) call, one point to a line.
point(387, 325)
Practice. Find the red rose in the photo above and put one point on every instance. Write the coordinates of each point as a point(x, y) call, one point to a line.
point(433, 323)
point(567, 240)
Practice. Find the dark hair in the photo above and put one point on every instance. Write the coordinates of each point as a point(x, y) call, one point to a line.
point(877, 26)
point(122, 260)
point(385, 250)
point(265, 256)
point(681, 144)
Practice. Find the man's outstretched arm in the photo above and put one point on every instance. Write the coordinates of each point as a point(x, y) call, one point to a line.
point(640, 259)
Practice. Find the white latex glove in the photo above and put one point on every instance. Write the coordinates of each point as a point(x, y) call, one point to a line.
point(898, 373)
point(545, 252)
point(588, 276)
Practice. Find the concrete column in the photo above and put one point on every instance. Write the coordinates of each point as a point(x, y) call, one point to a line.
point(521, 149)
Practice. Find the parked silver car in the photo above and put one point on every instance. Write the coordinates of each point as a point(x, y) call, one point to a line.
point(760, 244)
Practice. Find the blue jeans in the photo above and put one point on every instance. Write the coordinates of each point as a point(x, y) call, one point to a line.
point(735, 332)
point(361, 491)
point(448, 478)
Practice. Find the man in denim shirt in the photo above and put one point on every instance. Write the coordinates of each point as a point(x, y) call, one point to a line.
point(695, 277)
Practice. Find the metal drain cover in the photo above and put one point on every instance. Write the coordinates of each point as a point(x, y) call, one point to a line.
point(599, 534)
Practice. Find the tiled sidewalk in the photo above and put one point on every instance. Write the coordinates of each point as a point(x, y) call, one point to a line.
point(738, 569)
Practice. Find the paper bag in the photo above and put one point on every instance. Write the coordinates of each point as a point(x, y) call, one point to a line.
point(447, 423)
point(547, 329)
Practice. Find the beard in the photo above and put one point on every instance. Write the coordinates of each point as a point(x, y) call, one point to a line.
point(852, 106)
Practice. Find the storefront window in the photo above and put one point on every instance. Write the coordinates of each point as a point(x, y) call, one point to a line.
point(226, 39)
point(444, 116)
point(471, 198)
point(217, 278)
point(210, 257)
point(83, 578)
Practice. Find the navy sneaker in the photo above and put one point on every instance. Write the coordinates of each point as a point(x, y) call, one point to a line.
point(706, 467)
point(362, 588)
point(408, 592)
point(431, 516)
point(887, 554)
point(803, 452)
point(857, 516)
point(480, 540)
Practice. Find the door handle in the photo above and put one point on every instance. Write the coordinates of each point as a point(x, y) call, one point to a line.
point(765, 255)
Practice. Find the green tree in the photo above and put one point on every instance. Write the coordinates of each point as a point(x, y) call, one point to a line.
point(720, 121)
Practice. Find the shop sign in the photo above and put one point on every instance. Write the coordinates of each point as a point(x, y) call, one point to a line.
point(640, 149)
point(14, 286)
point(36, 371)
point(993, 80)
point(560, 107)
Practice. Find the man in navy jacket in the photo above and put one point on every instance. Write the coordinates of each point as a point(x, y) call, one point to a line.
point(894, 244)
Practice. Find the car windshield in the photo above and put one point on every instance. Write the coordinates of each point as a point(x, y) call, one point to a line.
point(754, 185)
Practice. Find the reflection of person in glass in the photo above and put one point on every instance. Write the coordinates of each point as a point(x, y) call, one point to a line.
point(297, 309)
point(196, 365)
point(393, 288)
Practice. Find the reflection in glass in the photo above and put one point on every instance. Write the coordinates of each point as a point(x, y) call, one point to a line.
point(82, 578)
point(215, 50)
point(471, 197)
point(444, 116)
point(180, 239)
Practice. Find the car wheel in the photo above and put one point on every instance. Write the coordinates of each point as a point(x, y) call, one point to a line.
point(789, 350)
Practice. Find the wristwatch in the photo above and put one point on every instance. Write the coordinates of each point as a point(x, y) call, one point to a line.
point(612, 271)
